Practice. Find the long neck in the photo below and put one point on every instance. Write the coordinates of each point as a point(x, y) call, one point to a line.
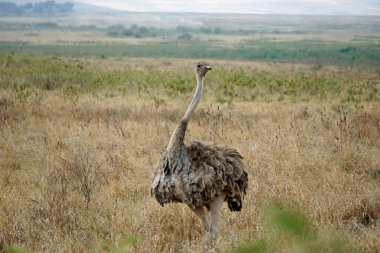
point(196, 99)
point(176, 141)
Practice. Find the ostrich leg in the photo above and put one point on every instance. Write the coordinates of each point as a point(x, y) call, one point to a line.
point(201, 214)
point(215, 208)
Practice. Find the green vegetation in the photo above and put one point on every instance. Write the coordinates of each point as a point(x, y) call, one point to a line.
point(16, 249)
point(134, 31)
point(29, 26)
point(72, 76)
point(123, 246)
point(266, 50)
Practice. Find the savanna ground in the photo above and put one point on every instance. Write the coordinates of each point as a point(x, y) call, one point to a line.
point(76, 161)
point(79, 138)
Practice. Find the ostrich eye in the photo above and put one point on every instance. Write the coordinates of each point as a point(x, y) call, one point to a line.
point(199, 65)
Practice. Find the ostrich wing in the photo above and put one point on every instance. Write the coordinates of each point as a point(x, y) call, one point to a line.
point(203, 173)
point(214, 169)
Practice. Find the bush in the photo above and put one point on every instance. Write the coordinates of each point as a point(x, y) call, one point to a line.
point(185, 36)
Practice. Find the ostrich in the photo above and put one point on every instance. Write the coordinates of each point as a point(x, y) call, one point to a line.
point(199, 175)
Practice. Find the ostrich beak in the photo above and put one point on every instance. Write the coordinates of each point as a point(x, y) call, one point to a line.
point(208, 67)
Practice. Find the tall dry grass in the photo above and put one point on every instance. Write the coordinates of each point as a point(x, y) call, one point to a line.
point(76, 171)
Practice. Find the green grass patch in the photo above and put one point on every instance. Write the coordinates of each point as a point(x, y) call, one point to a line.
point(265, 50)
point(71, 76)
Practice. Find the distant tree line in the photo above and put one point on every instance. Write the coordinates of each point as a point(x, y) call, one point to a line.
point(133, 31)
point(47, 8)
point(206, 30)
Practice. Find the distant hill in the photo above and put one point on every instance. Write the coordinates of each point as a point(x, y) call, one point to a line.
point(46, 8)
point(49, 8)
point(88, 8)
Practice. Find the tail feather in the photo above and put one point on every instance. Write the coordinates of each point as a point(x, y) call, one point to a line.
point(239, 191)
point(234, 203)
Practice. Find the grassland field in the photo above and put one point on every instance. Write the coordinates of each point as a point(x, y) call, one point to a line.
point(299, 39)
point(83, 123)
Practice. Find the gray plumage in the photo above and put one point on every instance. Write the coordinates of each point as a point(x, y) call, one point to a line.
point(200, 175)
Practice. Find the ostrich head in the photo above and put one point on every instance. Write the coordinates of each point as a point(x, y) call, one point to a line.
point(202, 69)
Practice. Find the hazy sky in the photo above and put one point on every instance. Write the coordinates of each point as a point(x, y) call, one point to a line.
point(350, 7)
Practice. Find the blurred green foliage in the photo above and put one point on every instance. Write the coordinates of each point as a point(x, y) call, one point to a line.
point(123, 246)
point(16, 249)
point(290, 231)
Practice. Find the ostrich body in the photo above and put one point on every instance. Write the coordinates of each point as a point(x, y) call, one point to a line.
point(199, 175)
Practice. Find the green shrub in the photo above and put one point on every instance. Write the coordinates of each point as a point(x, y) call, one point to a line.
point(290, 231)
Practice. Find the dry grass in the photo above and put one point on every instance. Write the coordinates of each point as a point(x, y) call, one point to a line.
point(77, 171)
point(46, 37)
point(64, 37)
